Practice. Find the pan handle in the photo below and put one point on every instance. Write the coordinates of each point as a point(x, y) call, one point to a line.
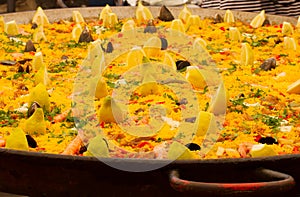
point(282, 183)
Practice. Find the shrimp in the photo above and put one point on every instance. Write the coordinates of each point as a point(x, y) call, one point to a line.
point(73, 147)
point(2, 142)
point(244, 149)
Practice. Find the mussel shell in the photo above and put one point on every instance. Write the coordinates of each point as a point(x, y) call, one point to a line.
point(31, 141)
point(83, 149)
point(150, 28)
point(268, 64)
point(85, 36)
point(266, 22)
point(29, 46)
point(32, 108)
point(218, 19)
point(20, 69)
point(164, 43)
point(109, 48)
point(181, 64)
point(193, 146)
point(165, 14)
point(34, 26)
point(8, 62)
point(268, 140)
point(191, 120)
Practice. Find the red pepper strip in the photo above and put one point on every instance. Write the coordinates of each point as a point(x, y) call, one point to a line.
point(142, 144)
point(161, 102)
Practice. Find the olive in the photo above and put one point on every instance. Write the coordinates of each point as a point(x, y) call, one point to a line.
point(109, 48)
point(32, 108)
point(165, 14)
point(268, 64)
point(164, 43)
point(267, 140)
point(85, 36)
point(191, 120)
point(150, 28)
point(31, 141)
point(193, 146)
point(29, 46)
point(182, 64)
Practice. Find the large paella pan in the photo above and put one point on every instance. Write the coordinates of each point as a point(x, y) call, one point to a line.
point(227, 167)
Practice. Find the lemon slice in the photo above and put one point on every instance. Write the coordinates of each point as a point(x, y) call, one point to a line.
point(168, 60)
point(98, 86)
point(94, 50)
point(152, 46)
point(219, 104)
point(247, 56)
point(40, 95)
point(234, 34)
point(179, 151)
point(201, 42)
point(97, 147)
point(77, 17)
point(287, 28)
point(17, 140)
point(110, 20)
point(193, 20)
point(228, 17)
point(195, 77)
point(2, 22)
point(184, 14)
point(105, 11)
point(206, 123)
point(41, 76)
point(177, 25)
point(11, 28)
point(38, 34)
point(142, 13)
point(289, 43)
point(261, 150)
point(40, 17)
point(76, 32)
point(128, 25)
point(135, 56)
point(37, 61)
point(36, 125)
point(258, 20)
point(294, 87)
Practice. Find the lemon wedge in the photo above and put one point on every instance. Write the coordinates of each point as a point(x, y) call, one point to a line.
point(298, 23)
point(76, 32)
point(195, 77)
point(17, 140)
point(294, 87)
point(149, 85)
point(98, 86)
point(179, 151)
point(234, 34)
point(177, 25)
point(40, 95)
point(35, 124)
point(201, 42)
point(289, 43)
point(2, 23)
point(287, 28)
point(168, 60)
point(193, 20)
point(135, 56)
point(142, 13)
point(261, 150)
point(41, 76)
point(37, 61)
point(184, 14)
point(228, 17)
point(40, 17)
point(105, 11)
point(110, 20)
point(219, 104)
point(109, 111)
point(206, 122)
point(11, 28)
point(77, 17)
point(128, 25)
point(97, 147)
point(38, 34)
point(258, 20)
point(152, 46)
point(247, 56)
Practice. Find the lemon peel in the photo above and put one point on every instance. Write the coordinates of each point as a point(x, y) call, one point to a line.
point(258, 20)
point(40, 18)
point(247, 56)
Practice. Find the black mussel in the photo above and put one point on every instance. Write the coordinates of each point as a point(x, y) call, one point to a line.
point(182, 64)
point(183, 101)
point(83, 149)
point(268, 64)
point(32, 108)
point(24, 61)
point(191, 120)
point(164, 43)
point(218, 19)
point(85, 36)
point(29, 46)
point(34, 26)
point(193, 146)
point(8, 62)
point(267, 140)
point(165, 14)
point(20, 69)
point(278, 41)
point(31, 141)
point(150, 28)
point(242, 95)
point(109, 48)
point(27, 70)
point(64, 57)
point(266, 22)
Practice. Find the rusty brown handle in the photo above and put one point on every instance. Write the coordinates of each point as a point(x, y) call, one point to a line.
point(282, 183)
